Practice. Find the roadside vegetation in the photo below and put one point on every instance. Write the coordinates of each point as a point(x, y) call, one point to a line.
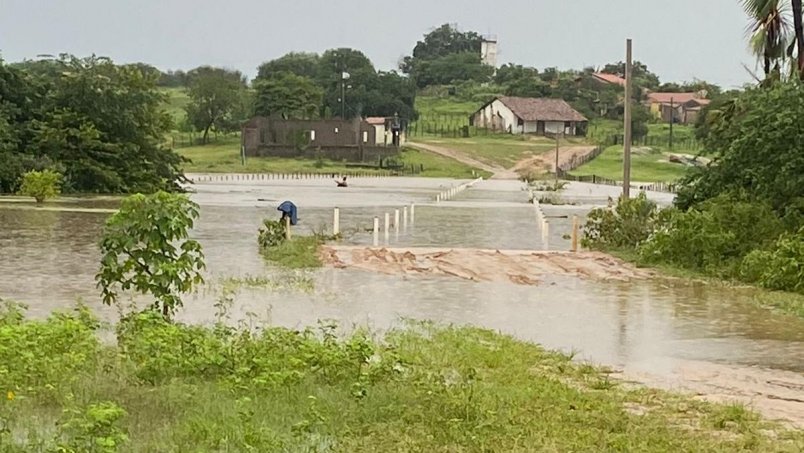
point(166, 386)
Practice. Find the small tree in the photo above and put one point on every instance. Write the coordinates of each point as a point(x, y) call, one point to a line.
point(146, 247)
point(41, 185)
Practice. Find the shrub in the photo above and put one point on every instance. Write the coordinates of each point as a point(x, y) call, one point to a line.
point(41, 185)
point(626, 226)
point(714, 237)
point(93, 429)
point(146, 247)
point(781, 267)
point(271, 234)
point(39, 356)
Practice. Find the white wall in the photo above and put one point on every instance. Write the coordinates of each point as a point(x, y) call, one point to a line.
point(554, 127)
point(380, 134)
point(484, 117)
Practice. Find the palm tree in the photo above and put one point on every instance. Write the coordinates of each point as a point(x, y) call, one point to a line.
point(770, 34)
point(798, 26)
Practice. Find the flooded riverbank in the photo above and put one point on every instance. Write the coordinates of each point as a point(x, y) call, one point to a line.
point(669, 333)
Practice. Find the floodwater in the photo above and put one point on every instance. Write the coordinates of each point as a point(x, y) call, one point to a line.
point(665, 332)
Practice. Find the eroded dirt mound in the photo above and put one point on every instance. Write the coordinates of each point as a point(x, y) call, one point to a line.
point(521, 268)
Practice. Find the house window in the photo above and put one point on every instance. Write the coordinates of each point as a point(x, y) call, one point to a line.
point(567, 124)
point(312, 136)
point(365, 136)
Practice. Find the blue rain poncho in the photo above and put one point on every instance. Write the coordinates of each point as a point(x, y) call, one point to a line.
point(289, 209)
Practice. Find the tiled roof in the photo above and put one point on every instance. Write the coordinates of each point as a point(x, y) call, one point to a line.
point(541, 109)
point(677, 98)
point(376, 120)
point(610, 78)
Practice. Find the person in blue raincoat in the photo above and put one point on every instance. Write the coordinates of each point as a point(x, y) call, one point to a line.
point(288, 209)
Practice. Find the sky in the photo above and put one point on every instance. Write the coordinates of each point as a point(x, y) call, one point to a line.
point(680, 40)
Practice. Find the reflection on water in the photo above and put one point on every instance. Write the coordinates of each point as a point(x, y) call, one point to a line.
point(49, 259)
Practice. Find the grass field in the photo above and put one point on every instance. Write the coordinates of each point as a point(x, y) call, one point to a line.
point(177, 99)
point(645, 166)
point(501, 150)
point(171, 387)
point(224, 157)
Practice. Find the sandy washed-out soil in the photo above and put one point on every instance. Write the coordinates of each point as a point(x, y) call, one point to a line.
point(518, 267)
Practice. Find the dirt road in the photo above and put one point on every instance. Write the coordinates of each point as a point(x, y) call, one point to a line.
point(547, 162)
point(463, 158)
point(542, 163)
point(518, 267)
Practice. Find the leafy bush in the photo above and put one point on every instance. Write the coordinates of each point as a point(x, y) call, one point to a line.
point(714, 237)
point(271, 234)
point(628, 224)
point(781, 267)
point(42, 356)
point(159, 350)
point(92, 430)
point(146, 247)
point(41, 185)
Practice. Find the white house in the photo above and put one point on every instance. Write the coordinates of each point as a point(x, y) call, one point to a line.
point(530, 116)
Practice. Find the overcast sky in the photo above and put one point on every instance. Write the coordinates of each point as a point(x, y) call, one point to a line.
point(678, 39)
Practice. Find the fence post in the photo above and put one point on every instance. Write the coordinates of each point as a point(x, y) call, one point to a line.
point(287, 228)
point(376, 231)
point(575, 233)
point(336, 221)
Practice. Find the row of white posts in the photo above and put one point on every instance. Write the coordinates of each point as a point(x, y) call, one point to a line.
point(545, 227)
point(227, 177)
point(452, 191)
point(408, 212)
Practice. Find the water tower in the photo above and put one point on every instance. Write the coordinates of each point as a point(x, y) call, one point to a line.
point(488, 50)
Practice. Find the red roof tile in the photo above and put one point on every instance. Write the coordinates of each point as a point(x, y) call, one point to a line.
point(610, 78)
point(677, 98)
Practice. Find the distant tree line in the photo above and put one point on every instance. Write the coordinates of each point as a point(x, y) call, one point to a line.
point(98, 124)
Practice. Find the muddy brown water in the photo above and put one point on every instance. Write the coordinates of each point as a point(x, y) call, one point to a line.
point(656, 331)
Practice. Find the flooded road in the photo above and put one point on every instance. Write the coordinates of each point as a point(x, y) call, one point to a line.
point(701, 337)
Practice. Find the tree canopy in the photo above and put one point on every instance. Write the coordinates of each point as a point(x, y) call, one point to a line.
point(757, 141)
point(447, 55)
point(216, 95)
point(292, 84)
point(99, 124)
point(288, 95)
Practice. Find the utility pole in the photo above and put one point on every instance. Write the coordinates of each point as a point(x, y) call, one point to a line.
point(343, 97)
point(557, 146)
point(672, 120)
point(627, 137)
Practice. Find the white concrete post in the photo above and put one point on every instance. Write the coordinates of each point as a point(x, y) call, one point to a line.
point(336, 221)
point(387, 225)
point(376, 231)
point(396, 220)
point(412, 212)
point(405, 217)
point(287, 228)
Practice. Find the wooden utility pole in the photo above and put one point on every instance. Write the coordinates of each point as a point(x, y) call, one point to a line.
point(627, 137)
point(672, 120)
point(557, 147)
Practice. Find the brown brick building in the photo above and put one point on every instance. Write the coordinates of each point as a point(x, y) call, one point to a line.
point(351, 140)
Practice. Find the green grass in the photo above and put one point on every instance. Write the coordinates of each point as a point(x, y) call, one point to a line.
point(224, 157)
point(177, 99)
point(645, 166)
point(502, 149)
point(433, 108)
point(299, 252)
point(171, 387)
point(437, 166)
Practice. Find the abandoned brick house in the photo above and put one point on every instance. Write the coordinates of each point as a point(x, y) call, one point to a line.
point(540, 116)
point(343, 140)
